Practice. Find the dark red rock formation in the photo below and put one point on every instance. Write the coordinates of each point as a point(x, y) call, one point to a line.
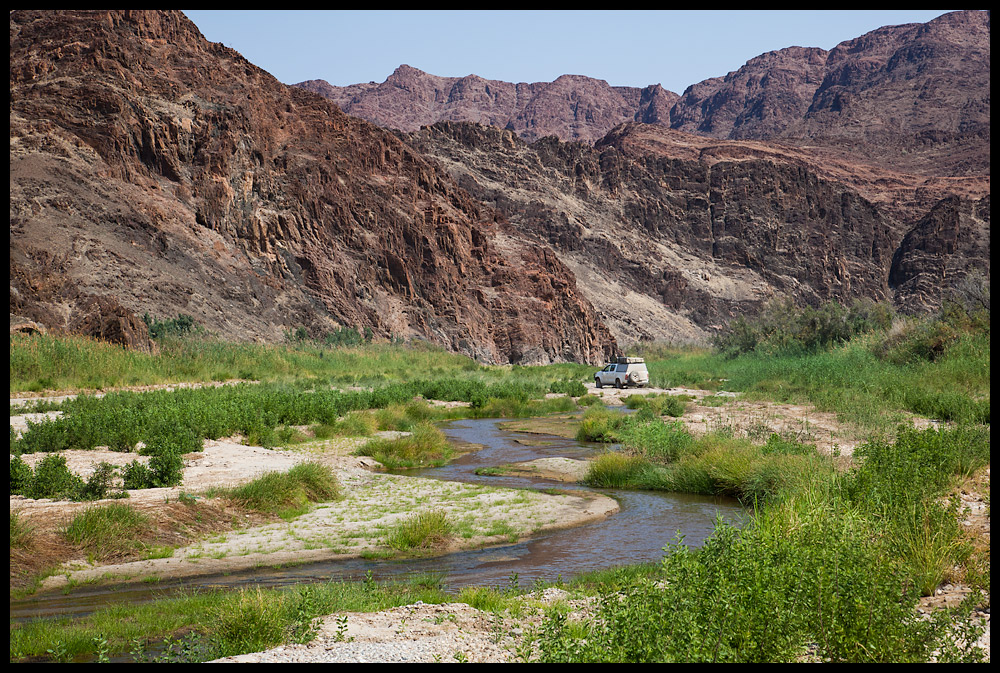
point(105, 319)
point(154, 166)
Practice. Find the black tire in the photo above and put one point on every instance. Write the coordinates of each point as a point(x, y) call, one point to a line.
point(618, 384)
point(597, 382)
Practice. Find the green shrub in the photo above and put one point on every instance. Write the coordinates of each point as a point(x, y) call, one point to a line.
point(136, 475)
point(424, 530)
point(249, 621)
point(782, 327)
point(182, 325)
point(54, 480)
point(425, 446)
point(100, 484)
point(600, 425)
point(656, 440)
point(288, 494)
point(806, 579)
point(568, 387)
point(615, 470)
point(166, 468)
point(21, 476)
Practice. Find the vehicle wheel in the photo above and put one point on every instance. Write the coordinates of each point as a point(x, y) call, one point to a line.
point(618, 383)
point(597, 382)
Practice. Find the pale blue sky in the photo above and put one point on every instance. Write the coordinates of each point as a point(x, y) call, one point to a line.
point(626, 48)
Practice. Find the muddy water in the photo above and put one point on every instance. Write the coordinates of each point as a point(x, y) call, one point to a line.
point(637, 534)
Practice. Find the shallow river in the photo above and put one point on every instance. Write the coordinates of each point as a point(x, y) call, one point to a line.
point(636, 534)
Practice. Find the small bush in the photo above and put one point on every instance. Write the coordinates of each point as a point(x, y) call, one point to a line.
point(615, 470)
point(100, 484)
point(21, 476)
point(180, 326)
point(600, 425)
point(568, 387)
point(782, 327)
point(424, 447)
point(54, 480)
point(136, 475)
point(250, 620)
point(166, 468)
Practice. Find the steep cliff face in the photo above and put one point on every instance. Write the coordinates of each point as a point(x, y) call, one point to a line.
point(950, 242)
point(669, 247)
point(153, 166)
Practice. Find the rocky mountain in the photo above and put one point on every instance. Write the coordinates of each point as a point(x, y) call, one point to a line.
point(572, 107)
point(914, 98)
point(164, 173)
point(946, 245)
point(154, 171)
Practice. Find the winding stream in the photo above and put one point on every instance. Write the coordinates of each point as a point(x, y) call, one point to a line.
point(636, 534)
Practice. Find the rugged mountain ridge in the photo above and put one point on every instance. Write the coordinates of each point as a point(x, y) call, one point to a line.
point(572, 107)
point(913, 98)
point(167, 172)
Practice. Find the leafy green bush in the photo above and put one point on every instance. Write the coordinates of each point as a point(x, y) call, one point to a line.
point(616, 470)
point(288, 494)
point(425, 446)
point(568, 387)
point(781, 327)
point(21, 476)
point(100, 484)
point(53, 479)
point(182, 325)
point(600, 425)
point(136, 475)
point(807, 579)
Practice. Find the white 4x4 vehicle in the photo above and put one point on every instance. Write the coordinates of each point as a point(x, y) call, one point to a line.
point(622, 373)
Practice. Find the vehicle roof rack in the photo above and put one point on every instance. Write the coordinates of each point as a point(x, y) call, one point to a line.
point(629, 361)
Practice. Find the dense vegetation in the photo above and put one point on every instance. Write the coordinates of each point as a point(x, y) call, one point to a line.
point(833, 562)
point(830, 567)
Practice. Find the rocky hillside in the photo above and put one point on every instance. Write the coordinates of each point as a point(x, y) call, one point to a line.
point(168, 174)
point(671, 235)
point(153, 171)
point(572, 107)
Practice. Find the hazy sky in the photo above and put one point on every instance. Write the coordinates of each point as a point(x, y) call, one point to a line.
point(630, 48)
